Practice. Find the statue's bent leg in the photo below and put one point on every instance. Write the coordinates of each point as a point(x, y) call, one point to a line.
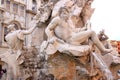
point(99, 45)
point(81, 36)
point(84, 35)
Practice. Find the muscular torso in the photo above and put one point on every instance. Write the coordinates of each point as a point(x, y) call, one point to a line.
point(13, 40)
point(63, 31)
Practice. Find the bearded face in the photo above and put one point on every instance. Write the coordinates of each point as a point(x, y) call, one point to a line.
point(64, 14)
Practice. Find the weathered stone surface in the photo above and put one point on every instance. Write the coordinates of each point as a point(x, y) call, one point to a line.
point(115, 67)
point(62, 66)
point(68, 58)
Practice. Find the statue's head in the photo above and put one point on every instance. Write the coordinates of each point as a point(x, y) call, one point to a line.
point(11, 27)
point(89, 2)
point(64, 12)
point(102, 31)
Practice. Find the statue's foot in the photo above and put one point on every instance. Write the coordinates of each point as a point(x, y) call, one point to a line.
point(106, 51)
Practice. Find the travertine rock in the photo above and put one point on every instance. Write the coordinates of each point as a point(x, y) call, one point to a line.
point(62, 66)
point(68, 52)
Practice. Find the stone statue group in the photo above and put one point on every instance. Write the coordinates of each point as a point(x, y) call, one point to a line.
point(64, 33)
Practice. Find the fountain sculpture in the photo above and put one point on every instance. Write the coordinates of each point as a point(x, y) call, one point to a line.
point(70, 51)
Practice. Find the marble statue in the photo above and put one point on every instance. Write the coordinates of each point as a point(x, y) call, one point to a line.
point(15, 40)
point(60, 29)
point(104, 39)
point(113, 55)
point(64, 28)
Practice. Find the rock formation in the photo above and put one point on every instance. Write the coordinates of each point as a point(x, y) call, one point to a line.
point(69, 51)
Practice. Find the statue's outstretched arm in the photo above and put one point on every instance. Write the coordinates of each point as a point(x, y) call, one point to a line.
point(26, 32)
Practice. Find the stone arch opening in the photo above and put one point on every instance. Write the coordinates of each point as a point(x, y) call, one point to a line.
point(17, 24)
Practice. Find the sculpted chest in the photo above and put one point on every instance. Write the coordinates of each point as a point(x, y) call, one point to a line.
point(11, 36)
